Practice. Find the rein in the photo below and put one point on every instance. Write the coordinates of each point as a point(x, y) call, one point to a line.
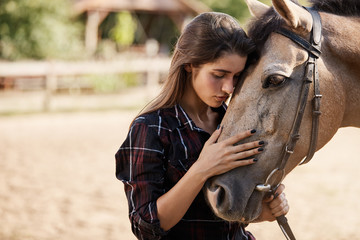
point(311, 75)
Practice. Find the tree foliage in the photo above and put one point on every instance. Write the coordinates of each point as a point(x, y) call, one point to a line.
point(235, 8)
point(38, 29)
point(123, 33)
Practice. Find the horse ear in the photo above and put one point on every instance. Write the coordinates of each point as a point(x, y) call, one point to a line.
point(294, 15)
point(256, 8)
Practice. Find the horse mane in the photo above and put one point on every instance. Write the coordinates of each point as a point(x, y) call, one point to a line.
point(338, 7)
point(260, 29)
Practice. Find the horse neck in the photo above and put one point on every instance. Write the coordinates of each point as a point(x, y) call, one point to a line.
point(341, 55)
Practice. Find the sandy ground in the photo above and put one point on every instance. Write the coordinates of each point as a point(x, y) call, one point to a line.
point(57, 182)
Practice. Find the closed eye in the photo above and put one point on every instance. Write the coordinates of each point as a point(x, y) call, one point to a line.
point(275, 80)
point(219, 76)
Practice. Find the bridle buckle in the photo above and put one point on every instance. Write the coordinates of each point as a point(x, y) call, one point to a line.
point(288, 151)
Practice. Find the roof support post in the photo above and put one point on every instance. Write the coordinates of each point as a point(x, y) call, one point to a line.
point(94, 19)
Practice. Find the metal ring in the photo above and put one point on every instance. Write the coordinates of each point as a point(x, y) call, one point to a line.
point(263, 187)
point(266, 187)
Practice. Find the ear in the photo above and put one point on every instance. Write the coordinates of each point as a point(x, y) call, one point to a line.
point(256, 8)
point(188, 68)
point(295, 16)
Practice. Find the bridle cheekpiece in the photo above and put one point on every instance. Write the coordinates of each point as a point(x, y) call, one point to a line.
point(311, 75)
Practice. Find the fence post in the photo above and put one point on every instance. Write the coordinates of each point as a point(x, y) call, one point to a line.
point(152, 73)
point(50, 86)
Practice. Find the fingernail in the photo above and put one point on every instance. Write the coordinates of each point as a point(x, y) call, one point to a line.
point(260, 149)
point(253, 131)
point(255, 160)
point(261, 143)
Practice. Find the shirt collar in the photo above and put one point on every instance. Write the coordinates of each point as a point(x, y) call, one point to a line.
point(183, 119)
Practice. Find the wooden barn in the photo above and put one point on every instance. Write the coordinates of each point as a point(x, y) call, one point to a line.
point(178, 11)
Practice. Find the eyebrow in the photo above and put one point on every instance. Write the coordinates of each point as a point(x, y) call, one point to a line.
point(225, 71)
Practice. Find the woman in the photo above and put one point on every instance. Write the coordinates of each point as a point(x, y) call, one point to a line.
point(172, 149)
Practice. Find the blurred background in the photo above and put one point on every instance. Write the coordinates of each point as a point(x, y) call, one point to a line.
point(73, 75)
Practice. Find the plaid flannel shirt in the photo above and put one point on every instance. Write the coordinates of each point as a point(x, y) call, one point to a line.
point(159, 149)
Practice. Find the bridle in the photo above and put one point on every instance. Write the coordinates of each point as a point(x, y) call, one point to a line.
point(311, 75)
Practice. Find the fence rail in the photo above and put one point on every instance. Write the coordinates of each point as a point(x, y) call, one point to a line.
point(51, 70)
point(24, 69)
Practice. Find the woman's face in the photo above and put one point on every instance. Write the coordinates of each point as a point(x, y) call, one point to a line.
point(214, 82)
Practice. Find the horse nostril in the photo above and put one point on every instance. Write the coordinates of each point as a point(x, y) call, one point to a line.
point(220, 196)
point(217, 196)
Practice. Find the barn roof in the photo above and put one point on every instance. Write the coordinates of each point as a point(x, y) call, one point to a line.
point(183, 7)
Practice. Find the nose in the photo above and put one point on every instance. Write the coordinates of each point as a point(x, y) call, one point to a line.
point(228, 86)
point(219, 198)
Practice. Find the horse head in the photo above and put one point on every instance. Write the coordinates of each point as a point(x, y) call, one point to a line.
point(267, 99)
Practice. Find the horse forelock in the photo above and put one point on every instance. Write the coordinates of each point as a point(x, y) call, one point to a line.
point(259, 29)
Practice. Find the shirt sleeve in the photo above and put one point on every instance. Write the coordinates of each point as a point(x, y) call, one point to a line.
point(140, 166)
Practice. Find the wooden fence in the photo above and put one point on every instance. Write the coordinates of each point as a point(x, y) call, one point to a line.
point(51, 70)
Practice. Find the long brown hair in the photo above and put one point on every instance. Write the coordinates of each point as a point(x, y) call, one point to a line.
point(206, 38)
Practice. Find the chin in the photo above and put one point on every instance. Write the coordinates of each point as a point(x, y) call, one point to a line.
point(216, 104)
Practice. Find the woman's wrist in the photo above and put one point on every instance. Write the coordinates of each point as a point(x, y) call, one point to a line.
point(199, 172)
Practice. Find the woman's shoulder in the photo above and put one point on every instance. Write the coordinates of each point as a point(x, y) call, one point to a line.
point(165, 117)
point(146, 118)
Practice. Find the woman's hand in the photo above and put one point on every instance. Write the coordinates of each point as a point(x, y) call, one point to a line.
point(219, 157)
point(274, 206)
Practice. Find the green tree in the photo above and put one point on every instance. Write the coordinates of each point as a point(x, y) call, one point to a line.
point(123, 33)
point(235, 8)
point(38, 29)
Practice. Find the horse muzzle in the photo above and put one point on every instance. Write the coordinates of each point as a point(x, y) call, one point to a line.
point(233, 202)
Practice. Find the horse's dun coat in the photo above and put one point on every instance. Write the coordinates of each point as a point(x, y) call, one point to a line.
point(271, 110)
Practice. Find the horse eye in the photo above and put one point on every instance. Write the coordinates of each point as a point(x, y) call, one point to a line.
point(274, 81)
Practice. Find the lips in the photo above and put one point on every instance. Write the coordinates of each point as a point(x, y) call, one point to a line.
point(221, 98)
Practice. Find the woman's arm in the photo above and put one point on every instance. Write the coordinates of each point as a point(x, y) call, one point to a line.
point(140, 166)
point(214, 159)
point(173, 205)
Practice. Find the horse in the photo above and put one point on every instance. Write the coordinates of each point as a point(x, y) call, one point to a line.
point(271, 92)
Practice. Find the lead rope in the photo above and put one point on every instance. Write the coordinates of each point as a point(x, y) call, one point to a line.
point(285, 227)
point(283, 222)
